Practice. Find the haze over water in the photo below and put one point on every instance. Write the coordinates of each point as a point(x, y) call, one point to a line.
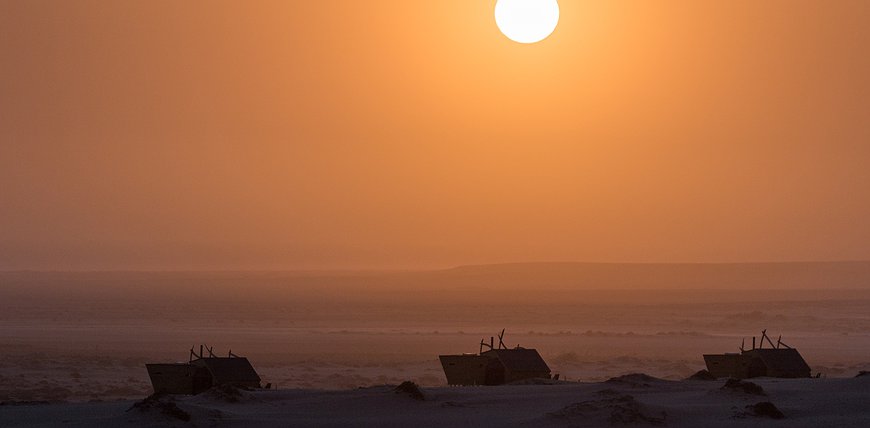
point(87, 335)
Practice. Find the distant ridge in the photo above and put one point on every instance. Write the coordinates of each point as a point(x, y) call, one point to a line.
point(567, 275)
point(483, 285)
point(491, 284)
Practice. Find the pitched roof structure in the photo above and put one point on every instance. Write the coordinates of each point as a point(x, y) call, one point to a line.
point(520, 360)
point(780, 360)
point(786, 360)
point(229, 370)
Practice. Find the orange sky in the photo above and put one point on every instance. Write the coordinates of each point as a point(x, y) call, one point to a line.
point(396, 133)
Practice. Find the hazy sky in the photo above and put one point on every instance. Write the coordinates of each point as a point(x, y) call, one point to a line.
point(397, 133)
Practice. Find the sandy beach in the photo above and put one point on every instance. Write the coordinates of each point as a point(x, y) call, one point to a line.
point(627, 400)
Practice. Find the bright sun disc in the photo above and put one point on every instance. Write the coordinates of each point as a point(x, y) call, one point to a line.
point(527, 21)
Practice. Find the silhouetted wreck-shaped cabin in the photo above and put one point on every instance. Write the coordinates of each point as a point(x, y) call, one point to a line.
point(202, 373)
point(497, 366)
point(780, 360)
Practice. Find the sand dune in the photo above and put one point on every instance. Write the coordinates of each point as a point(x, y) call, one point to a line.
point(629, 401)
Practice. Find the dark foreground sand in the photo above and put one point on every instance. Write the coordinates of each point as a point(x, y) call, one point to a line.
point(630, 400)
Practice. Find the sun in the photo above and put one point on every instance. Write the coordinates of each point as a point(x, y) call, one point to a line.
point(527, 21)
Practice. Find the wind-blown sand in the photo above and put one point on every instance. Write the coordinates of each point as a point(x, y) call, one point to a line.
point(633, 400)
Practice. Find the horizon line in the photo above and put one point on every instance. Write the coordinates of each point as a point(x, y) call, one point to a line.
point(421, 269)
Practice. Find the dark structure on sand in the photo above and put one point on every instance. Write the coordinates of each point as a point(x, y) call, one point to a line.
point(780, 360)
point(202, 372)
point(497, 366)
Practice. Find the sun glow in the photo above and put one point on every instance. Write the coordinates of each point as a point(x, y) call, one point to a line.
point(527, 21)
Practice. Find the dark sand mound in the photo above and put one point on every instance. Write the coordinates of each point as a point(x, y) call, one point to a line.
point(863, 373)
point(410, 389)
point(636, 380)
point(702, 375)
point(226, 393)
point(160, 404)
point(743, 386)
point(765, 409)
point(621, 410)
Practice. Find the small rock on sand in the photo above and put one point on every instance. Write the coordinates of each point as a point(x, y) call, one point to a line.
point(743, 386)
point(765, 409)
